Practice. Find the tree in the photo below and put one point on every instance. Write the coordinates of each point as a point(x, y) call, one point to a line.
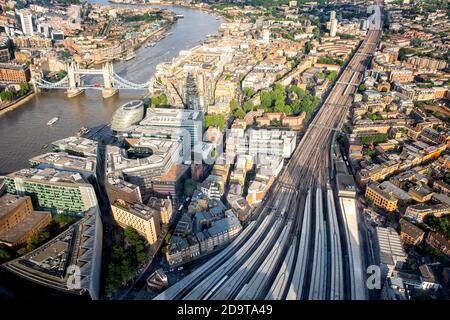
point(441, 225)
point(375, 116)
point(362, 87)
point(332, 75)
point(24, 88)
point(239, 113)
point(248, 92)
point(4, 254)
point(279, 106)
point(266, 100)
point(217, 120)
point(234, 104)
point(6, 96)
point(248, 106)
point(374, 138)
point(65, 54)
point(404, 53)
point(61, 74)
point(36, 239)
point(137, 243)
point(308, 47)
point(160, 101)
point(330, 60)
point(189, 187)
point(63, 220)
point(416, 42)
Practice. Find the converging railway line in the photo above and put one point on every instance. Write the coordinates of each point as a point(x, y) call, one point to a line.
point(294, 248)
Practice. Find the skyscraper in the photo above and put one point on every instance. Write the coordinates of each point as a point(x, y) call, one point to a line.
point(266, 36)
point(333, 24)
point(26, 22)
point(333, 27)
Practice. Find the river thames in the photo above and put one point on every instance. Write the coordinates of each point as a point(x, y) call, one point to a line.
point(23, 131)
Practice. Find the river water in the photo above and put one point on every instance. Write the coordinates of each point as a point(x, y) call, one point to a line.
point(23, 131)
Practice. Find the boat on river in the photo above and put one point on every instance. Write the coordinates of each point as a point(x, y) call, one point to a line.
point(52, 121)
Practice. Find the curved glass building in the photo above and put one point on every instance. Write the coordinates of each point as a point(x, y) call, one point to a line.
point(128, 114)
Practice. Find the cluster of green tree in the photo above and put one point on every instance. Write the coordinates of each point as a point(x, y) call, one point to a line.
point(12, 94)
point(248, 92)
point(346, 36)
point(416, 42)
point(291, 100)
point(369, 152)
point(447, 177)
point(382, 137)
point(422, 104)
point(34, 241)
point(63, 220)
point(166, 244)
point(404, 53)
point(375, 116)
point(123, 262)
point(308, 47)
point(61, 74)
point(217, 120)
point(159, 101)
point(236, 109)
point(5, 253)
point(441, 225)
point(65, 54)
point(69, 1)
point(189, 187)
point(434, 5)
point(299, 100)
point(362, 87)
point(330, 75)
point(330, 60)
point(147, 17)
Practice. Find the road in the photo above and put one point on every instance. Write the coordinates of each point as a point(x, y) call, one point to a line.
point(293, 250)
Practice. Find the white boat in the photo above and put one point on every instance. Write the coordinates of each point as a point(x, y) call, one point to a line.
point(52, 121)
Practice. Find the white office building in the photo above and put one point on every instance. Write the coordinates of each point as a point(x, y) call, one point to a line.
point(190, 120)
point(26, 22)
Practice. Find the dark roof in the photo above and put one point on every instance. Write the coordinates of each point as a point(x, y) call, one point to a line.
point(410, 229)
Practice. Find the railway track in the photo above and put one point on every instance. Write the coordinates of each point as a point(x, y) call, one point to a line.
point(293, 250)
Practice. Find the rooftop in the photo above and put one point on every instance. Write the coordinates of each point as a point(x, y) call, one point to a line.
point(138, 209)
point(77, 144)
point(398, 192)
point(410, 229)
point(391, 249)
point(49, 175)
point(9, 202)
point(62, 160)
point(79, 245)
point(14, 234)
point(160, 116)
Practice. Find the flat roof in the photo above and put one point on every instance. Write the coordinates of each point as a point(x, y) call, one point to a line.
point(398, 192)
point(19, 230)
point(65, 161)
point(391, 249)
point(9, 202)
point(50, 176)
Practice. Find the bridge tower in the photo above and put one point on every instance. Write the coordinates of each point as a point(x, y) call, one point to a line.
point(108, 80)
point(74, 81)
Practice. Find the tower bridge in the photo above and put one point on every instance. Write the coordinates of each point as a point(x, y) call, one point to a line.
point(74, 85)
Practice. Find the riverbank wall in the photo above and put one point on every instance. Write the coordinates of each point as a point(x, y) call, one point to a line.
point(17, 103)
